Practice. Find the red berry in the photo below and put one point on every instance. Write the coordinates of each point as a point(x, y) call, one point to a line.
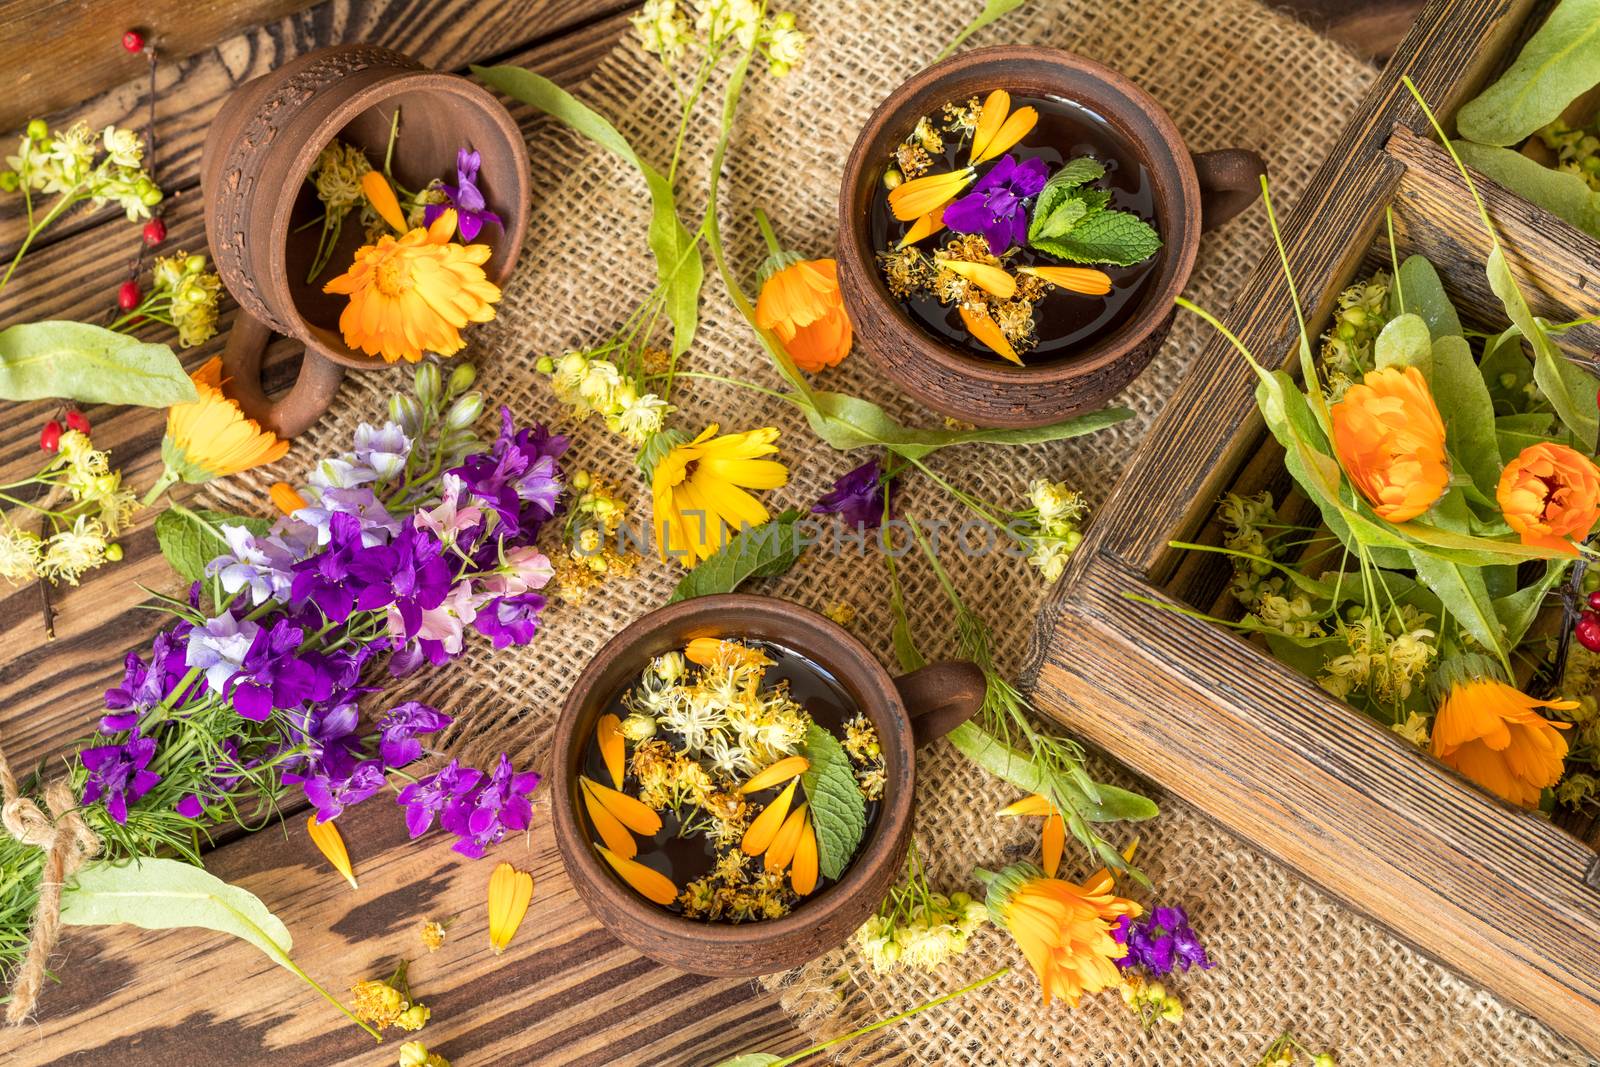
point(128, 295)
point(50, 436)
point(133, 41)
point(77, 420)
point(1594, 600)
point(155, 231)
point(1588, 631)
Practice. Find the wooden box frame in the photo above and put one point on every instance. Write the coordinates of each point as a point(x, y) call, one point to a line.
point(1496, 893)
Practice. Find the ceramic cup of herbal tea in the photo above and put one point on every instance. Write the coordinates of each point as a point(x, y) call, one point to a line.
point(270, 232)
point(1014, 224)
point(732, 781)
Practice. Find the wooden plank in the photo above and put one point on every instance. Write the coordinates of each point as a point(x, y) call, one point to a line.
point(443, 35)
point(564, 992)
point(83, 42)
point(49, 691)
point(1494, 892)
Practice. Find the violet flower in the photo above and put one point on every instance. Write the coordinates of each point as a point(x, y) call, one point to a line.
point(510, 620)
point(518, 477)
point(323, 579)
point(384, 449)
point(119, 774)
point(860, 496)
point(330, 796)
point(1160, 941)
point(399, 729)
point(273, 674)
point(997, 206)
point(465, 197)
point(143, 687)
point(428, 797)
point(482, 818)
point(219, 647)
point(410, 574)
point(259, 564)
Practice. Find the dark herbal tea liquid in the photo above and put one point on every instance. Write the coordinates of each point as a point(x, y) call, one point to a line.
point(1065, 323)
point(691, 856)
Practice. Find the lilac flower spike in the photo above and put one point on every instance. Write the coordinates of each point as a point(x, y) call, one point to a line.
point(465, 197)
point(997, 206)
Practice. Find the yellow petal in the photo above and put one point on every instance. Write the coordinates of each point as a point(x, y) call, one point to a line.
point(782, 771)
point(981, 326)
point(607, 825)
point(1034, 804)
point(509, 893)
point(1055, 835)
point(919, 196)
point(1017, 126)
point(1084, 280)
point(285, 499)
point(990, 119)
point(646, 881)
point(382, 198)
point(326, 837)
point(704, 651)
point(803, 875)
point(608, 732)
point(925, 226)
point(631, 812)
point(758, 838)
point(992, 280)
point(788, 839)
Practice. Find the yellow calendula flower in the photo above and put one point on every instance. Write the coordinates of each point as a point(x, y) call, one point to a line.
point(210, 437)
point(509, 893)
point(1063, 928)
point(413, 293)
point(698, 489)
point(326, 836)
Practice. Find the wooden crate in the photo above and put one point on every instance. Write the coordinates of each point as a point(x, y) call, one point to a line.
point(1497, 893)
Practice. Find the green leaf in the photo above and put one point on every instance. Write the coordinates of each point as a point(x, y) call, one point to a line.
point(838, 810)
point(90, 364)
point(679, 268)
point(1119, 238)
point(1559, 63)
point(1507, 372)
point(1563, 194)
point(1513, 433)
point(846, 422)
point(992, 11)
point(1062, 205)
point(1468, 412)
point(1462, 591)
point(1424, 295)
point(1516, 611)
point(1405, 341)
point(191, 539)
point(1016, 768)
point(1569, 388)
point(763, 551)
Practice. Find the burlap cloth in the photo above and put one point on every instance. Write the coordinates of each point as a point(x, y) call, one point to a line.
point(1231, 73)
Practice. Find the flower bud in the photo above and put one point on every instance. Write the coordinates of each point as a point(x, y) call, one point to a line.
point(10, 181)
point(113, 552)
point(1324, 1059)
point(582, 480)
point(545, 365)
point(404, 411)
point(464, 412)
point(892, 178)
point(149, 195)
point(637, 727)
point(427, 384)
point(461, 378)
point(38, 130)
point(413, 1018)
point(783, 20)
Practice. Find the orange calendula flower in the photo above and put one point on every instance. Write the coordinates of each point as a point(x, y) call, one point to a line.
point(981, 325)
point(1054, 835)
point(1493, 734)
point(413, 294)
point(1084, 280)
point(927, 194)
point(510, 890)
point(325, 835)
point(999, 128)
point(781, 852)
point(803, 872)
point(209, 437)
point(716, 652)
point(1390, 440)
point(1063, 928)
point(646, 881)
point(802, 305)
point(1550, 495)
point(698, 490)
point(285, 498)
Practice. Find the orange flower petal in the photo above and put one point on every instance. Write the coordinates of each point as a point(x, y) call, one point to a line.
point(607, 825)
point(787, 841)
point(925, 226)
point(931, 192)
point(781, 771)
point(764, 827)
point(326, 837)
point(1054, 837)
point(510, 890)
point(983, 327)
point(381, 196)
point(613, 747)
point(1033, 804)
point(1017, 126)
point(630, 811)
point(285, 499)
point(1084, 280)
point(993, 115)
point(991, 279)
point(803, 873)
point(646, 881)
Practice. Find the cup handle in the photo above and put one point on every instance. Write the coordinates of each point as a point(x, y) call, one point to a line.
point(1230, 181)
point(940, 697)
point(297, 409)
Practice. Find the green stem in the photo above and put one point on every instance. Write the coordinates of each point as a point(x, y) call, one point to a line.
point(163, 483)
point(773, 247)
point(64, 201)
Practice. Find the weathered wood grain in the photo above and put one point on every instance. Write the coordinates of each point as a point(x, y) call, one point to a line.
point(1491, 891)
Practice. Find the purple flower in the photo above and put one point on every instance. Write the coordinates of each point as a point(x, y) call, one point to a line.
point(377, 525)
point(428, 797)
point(259, 564)
point(382, 449)
point(510, 620)
point(465, 197)
point(997, 207)
point(482, 818)
point(143, 687)
point(118, 773)
point(410, 574)
point(1160, 941)
point(400, 728)
point(518, 477)
point(274, 675)
point(219, 648)
point(330, 795)
point(323, 579)
point(860, 496)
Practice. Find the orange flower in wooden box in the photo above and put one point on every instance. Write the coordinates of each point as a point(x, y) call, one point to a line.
point(1390, 440)
point(1550, 495)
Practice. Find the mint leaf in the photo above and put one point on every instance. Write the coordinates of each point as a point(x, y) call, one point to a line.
point(838, 810)
point(191, 539)
point(1080, 171)
point(1061, 204)
point(1115, 237)
point(763, 551)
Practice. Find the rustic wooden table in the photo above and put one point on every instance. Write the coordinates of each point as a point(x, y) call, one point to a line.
point(565, 992)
